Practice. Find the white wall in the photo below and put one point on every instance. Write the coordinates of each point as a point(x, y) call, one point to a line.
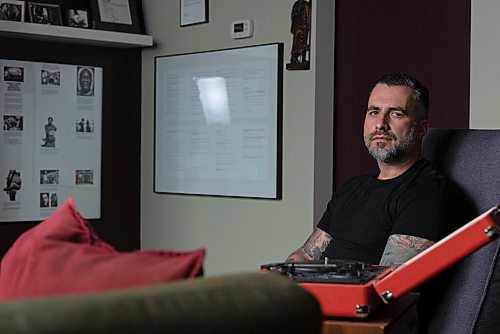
point(485, 65)
point(242, 234)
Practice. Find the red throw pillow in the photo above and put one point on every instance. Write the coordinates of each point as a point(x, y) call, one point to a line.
point(63, 255)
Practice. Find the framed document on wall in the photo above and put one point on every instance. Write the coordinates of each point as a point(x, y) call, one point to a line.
point(119, 15)
point(218, 122)
point(193, 12)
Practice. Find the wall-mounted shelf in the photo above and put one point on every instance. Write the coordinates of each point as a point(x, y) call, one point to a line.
point(73, 35)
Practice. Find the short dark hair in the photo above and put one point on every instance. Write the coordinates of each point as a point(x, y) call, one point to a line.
point(401, 79)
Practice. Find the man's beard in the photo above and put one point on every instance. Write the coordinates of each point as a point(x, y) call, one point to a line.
point(401, 150)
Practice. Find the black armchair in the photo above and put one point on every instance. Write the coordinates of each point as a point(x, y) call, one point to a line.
point(470, 301)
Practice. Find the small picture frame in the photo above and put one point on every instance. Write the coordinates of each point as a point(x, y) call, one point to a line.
point(193, 12)
point(12, 10)
point(43, 13)
point(118, 15)
point(77, 18)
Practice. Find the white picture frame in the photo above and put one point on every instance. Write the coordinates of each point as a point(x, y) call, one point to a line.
point(12, 10)
point(43, 13)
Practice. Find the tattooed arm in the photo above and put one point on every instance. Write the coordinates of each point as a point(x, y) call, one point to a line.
point(312, 249)
point(401, 247)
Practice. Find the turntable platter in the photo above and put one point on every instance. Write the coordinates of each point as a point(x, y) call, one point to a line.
point(327, 271)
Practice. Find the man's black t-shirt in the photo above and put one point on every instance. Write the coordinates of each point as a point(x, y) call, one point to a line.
point(365, 211)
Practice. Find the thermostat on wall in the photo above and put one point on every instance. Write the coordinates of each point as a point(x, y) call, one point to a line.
point(242, 29)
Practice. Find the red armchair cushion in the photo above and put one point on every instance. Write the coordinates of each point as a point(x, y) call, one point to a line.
point(63, 255)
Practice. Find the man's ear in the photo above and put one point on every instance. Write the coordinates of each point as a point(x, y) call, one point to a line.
point(424, 126)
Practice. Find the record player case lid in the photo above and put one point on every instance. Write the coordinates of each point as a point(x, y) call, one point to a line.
point(440, 256)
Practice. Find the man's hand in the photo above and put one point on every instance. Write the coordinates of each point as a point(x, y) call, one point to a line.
point(400, 248)
point(312, 249)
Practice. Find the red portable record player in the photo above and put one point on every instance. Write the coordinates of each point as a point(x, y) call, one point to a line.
point(347, 288)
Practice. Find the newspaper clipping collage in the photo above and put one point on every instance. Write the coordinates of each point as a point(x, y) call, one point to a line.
point(51, 140)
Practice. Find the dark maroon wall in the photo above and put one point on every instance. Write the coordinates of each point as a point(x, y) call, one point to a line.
point(121, 134)
point(428, 39)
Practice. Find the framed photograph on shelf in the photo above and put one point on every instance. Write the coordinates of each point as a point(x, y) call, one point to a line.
point(77, 18)
point(118, 15)
point(43, 13)
point(193, 12)
point(12, 10)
